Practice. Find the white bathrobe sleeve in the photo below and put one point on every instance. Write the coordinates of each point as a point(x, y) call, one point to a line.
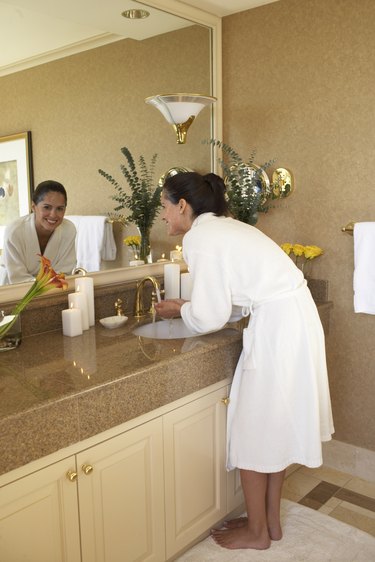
point(210, 307)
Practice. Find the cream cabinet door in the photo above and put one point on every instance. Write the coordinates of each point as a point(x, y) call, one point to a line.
point(121, 497)
point(195, 475)
point(39, 516)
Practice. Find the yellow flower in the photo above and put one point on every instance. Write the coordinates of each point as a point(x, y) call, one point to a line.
point(132, 241)
point(287, 247)
point(312, 252)
point(298, 249)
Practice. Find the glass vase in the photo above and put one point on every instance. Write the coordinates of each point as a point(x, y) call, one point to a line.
point(10, 331)
point(145, 247)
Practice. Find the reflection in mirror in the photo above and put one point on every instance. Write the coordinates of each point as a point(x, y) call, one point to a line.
point(83, 108)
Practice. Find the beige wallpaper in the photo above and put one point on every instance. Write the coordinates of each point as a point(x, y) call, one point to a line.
point(82, 109)
point(299, 78)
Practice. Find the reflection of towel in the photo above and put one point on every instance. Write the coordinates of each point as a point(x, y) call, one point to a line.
point(94, 241)
point(364, 267)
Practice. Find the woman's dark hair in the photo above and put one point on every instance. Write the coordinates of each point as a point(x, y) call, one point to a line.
point(45, 187)
point(205, 194)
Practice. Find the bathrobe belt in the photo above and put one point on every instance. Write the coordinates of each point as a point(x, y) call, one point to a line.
point(249, 309)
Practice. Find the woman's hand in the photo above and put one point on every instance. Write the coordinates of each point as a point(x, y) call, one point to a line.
point(169, 308)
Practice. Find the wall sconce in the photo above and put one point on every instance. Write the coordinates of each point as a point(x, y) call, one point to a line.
point(180, 110)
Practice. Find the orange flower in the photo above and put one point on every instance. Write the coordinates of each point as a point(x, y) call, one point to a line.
point(46, 279)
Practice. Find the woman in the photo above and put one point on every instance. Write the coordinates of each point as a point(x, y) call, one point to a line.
point(45, 232)
point(279, 409)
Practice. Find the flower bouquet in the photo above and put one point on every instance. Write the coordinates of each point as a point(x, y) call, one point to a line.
point(46, 279)
point(133, 242)
point(302, 255)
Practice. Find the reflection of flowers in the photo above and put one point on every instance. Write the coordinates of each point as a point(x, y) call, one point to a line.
point(46, 279)
point(144, 201)
point(135, 243)
point(302, 254)
point(248, 192)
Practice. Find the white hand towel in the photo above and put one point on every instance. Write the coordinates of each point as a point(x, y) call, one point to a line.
point(364, 267)
point(89, 240)
point(109, 249)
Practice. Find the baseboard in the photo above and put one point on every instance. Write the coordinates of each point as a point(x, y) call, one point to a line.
point(348, 458)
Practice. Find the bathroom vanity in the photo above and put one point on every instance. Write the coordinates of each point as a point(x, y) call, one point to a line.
point(113, 445)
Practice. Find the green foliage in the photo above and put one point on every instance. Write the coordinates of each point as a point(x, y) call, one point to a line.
point(144, 200)
point(248, 192)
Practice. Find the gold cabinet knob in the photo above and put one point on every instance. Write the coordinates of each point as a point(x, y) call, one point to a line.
point(87, 468)
point(71, 475)
point(225, 401)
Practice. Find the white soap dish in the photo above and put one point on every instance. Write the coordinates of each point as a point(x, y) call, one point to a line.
point(112, 322)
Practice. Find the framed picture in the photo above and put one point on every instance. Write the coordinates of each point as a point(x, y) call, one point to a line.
point(16, 178)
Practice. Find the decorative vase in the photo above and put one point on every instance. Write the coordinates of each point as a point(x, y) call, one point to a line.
point(145, 247)
point(305, 267)
point(10, 331)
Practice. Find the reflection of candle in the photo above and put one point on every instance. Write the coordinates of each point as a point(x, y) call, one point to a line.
point(186, 286)
point(82, 352)
point(86, 285)
point(79, 300)
point(72, 322)
point(172, 281)
point(176, 255)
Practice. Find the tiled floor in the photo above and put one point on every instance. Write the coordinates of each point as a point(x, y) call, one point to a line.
point(340, 495)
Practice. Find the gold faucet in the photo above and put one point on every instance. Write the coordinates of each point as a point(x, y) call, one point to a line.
point(118, 308)
point(139, 310)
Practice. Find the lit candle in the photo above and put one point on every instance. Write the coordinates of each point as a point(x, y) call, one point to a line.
point(176, 255)
point(78, 300)
point(162, 259)
point(172, 281)
point(186, 286)
point(72, 322)
point(86, 285)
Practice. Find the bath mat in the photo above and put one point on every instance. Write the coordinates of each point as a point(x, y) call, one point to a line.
point(309, 536)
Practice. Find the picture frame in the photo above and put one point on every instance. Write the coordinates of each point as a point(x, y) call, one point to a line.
point(16, 178)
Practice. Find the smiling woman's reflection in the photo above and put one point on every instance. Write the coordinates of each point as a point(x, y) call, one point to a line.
point(44, 231)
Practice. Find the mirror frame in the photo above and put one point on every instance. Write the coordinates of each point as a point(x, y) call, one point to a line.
point(10, 293)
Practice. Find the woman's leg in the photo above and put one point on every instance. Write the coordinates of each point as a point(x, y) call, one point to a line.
point(275, 482)
point(255, 533)
point(273, 498)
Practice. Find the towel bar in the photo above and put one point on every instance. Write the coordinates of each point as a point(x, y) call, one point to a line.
point(113, 217)
point(348, 228)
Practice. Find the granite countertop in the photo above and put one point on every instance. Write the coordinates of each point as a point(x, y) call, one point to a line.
point(56, 391)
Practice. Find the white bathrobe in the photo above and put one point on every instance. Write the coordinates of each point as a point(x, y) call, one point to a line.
point(21, 249)
point(279, 410)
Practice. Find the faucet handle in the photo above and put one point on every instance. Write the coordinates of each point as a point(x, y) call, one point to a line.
point(118, 308)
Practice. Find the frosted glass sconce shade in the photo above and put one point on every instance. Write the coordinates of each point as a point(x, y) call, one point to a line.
point(180, 110)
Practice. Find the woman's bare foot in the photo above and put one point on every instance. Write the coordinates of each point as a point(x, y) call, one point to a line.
point(274, 530)
point(240, 537)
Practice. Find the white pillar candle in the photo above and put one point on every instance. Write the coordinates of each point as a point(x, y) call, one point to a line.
point(171, 281)
point(72, 322)
point(186, 286)
point(79, 300)
point(86, 285)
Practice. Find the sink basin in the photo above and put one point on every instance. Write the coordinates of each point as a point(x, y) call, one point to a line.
point(165, 330)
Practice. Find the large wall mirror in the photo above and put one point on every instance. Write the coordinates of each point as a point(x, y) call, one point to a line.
point(82, 108)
